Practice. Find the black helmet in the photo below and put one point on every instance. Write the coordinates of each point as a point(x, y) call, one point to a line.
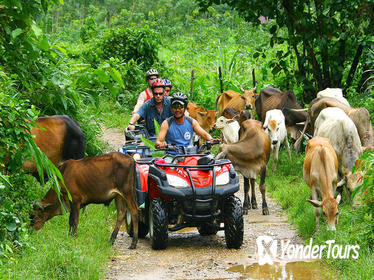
point(151, 72)
point(179, 97)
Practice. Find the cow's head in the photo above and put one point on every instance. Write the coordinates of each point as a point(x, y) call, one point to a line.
point(272, 130)
point(206, 119)
point(249, 96)
point(43, 213)
point(222, 122)
point(352, 180)
point(330, 210)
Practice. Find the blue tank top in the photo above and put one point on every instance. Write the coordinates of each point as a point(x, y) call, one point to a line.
point(180, 134)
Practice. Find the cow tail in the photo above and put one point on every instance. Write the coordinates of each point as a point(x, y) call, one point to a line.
point(74, 140)
point(217, 101)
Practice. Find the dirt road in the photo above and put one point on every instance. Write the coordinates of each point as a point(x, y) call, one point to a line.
point(191, 256)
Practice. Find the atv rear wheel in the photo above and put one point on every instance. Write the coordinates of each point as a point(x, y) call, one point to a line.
point(234, 229)
point(208, 229)
point(142, 227)
point(158, 224)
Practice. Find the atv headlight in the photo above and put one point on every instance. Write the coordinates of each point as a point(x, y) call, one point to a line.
point(176, 181)
point(222, 179)
point(136, 156)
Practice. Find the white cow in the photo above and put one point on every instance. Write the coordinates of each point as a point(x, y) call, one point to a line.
point(335, 125)
point(336, 93)
point(275, 128)
point(230, 129)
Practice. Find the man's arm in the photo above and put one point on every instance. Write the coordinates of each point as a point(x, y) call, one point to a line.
point(201, 132)
point(160, 142)
point(133, 120)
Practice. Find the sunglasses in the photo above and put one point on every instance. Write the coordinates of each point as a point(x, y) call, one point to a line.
point(158, 93)
point(152, 79)
point(177, 106)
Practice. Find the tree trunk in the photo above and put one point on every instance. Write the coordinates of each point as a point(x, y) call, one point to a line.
point(354, 65)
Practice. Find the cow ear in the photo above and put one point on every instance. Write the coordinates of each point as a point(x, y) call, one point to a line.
point(201, 113)
point(315, 203)
point(231, 120)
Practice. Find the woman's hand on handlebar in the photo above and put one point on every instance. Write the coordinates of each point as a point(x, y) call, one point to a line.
point(131, 127)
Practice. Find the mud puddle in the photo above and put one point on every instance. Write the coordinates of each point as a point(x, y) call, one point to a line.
point(313, 270)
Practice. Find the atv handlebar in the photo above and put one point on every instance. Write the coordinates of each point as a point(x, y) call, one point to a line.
point(208, 145)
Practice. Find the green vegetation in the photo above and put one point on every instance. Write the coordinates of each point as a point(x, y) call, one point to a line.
point(355, 224)
point(87, 59)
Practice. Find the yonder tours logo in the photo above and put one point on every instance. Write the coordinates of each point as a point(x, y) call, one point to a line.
point(267, 250)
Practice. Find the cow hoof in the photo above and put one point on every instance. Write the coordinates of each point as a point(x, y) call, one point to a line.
point(265, 211)
point(254, 206)
point(245, 211)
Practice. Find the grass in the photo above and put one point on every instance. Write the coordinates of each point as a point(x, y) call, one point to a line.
point(288, 188)
point(56, 255)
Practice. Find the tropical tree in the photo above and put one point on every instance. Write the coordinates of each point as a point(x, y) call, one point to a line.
point(329, 39)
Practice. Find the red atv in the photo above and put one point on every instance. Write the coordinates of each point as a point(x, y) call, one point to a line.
point(191, 189)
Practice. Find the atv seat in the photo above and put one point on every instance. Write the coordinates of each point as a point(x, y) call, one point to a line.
point(206, 160)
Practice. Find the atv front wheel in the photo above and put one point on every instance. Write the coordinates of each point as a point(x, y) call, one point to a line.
point(208, 229)
point(142, 227)
point(158, 225)
point(234, 229)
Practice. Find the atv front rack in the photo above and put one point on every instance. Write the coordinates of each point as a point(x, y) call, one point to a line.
point(208, 197)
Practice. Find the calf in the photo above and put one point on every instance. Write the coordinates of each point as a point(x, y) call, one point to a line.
point(229, 128)
point(335, 125)
point(93, 180)
point(275, 127)
point(250, 156)
point(320, 173)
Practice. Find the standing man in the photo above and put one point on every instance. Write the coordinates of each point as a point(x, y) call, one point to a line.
point(179, 129)
point(147, 94)
point(157, 108)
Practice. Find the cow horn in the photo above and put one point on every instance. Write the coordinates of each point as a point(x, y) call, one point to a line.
point(300, 123)
point(255, 88)
point(242, 89)
point(298, 110)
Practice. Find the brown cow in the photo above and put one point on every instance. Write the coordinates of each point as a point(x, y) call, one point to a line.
point(272, 98)
point(192, 109)
point(320, 172)
point(249, 156)
point(206, 119)
point(236, 100)
point(93, 180)
point(59, 137)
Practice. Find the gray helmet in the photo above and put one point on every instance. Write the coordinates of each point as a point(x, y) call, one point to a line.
point(151, 72)
point(179, 97)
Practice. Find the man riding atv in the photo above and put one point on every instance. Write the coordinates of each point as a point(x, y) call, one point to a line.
point(145, 95)
point(157, 108)
point(179, 129)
